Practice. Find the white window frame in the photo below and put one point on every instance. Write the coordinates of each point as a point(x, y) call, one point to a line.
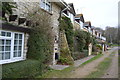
point(13, 59)
point(44, 6)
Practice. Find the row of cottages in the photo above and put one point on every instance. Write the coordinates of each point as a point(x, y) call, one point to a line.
point(14, 37)
point(101, 40)
point(86, 26)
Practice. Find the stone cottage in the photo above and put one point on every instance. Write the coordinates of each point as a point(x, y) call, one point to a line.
point(14, 37)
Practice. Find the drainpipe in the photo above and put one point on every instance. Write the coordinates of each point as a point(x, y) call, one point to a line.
point(59, 23)
point(59, 34)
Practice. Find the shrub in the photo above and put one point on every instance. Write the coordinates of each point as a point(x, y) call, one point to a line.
point(83, 39)
point(65, 56)
point(99, 47)
point(79, 55)
point(23, 69)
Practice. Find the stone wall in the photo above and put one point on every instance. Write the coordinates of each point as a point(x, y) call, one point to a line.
point(76, 26)
point(55, 13)
point(26, 36)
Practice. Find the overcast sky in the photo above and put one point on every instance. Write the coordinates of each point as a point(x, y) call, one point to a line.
point(101, 13)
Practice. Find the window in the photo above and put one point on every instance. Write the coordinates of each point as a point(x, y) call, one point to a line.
point(11, 45)
point(45, 4)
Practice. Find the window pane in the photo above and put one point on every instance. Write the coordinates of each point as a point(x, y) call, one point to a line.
point(1, 48)
point(15, 54)
point(20, 36)
point(15, 48)
point(8, 34)
point(20, 48)
point(7, 55)
point(7, 48)
point(16, 42)
point(48, 7)
point(3, 33)
point(20, 42)
point(42, 4)
point(16, 36)
point(8, 42)
point(19, 53)
point(0, 56)
point(3, 41)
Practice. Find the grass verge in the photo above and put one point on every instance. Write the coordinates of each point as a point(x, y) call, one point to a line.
point(65, 73)
point(92, 59)
point(58, 73)
point(102, 67)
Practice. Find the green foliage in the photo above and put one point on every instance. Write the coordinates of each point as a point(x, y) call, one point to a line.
point(83, 39)
point(88, 39)
point(94, 41)
point(80, 37)
point(23, 69)
point(65, 56)
point(79, 55)
point(65, 24)
point(99, 46)
point(7, 8)
point(39, 47)
point(64, 61)
point(40, 43)
point(92, 59)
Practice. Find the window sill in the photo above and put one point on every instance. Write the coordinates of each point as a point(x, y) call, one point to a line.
point(51, 13)
point(11, 61)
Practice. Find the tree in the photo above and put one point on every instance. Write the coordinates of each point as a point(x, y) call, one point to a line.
point(111, 33)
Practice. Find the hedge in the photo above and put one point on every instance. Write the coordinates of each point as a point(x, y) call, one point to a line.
point(23, 69)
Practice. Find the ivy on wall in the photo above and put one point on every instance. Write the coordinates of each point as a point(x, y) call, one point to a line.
point(65, 24)
point(66, 28)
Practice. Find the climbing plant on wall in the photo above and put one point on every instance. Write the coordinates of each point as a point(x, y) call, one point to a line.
point(66, 28)
point(40, 42)
point(65, 24)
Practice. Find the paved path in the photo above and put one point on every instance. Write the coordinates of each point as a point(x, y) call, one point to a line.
point(59, 67)
point(77, 63)
point(112, 71)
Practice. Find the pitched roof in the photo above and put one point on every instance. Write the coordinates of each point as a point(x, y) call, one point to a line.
point(87, 24)
point(80, 17)
point(72, 9)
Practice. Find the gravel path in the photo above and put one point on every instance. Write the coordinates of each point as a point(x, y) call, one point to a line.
point(112, 71)
point(90, 67)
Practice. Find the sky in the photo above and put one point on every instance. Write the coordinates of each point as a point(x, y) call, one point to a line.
point(101, 13)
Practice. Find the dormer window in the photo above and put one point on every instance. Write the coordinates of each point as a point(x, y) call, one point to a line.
point(45, 4)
